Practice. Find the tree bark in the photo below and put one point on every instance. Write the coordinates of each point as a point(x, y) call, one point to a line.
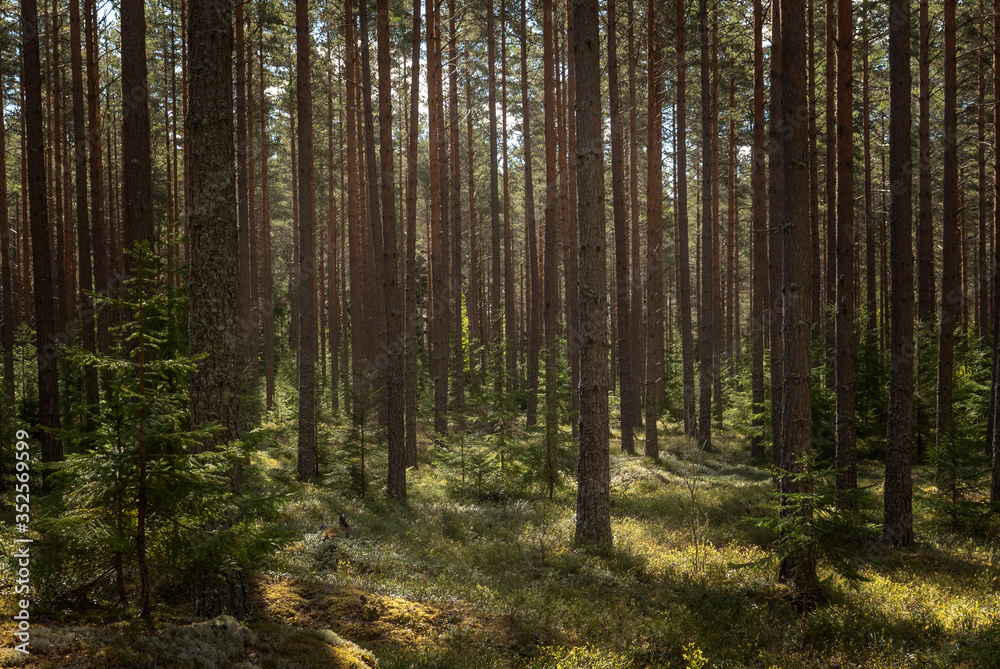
point(531, 235)
point(776, 198)
point(394, 340)
point(758, 304)
point(45, 315)
point(845, 430)
point(308, 466)
point(551, 259)
point(621, 239)
point(683, 249)
point(593, 515)
point(654, 235)
point(897, 520)
point(411, 244)
point(137, 181)
point(951, 295)
point(797, 337)
point(213, 319)
point(706, 312)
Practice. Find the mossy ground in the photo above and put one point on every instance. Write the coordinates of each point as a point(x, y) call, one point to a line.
point(457, 580)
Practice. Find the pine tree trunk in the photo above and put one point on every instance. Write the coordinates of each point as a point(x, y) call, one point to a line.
point(759, 301)
point(897, 523)
point(411, 244)
point(845, 430)
point(797, 337)
point(266, 293)
point(925, 239)
point(871, 332)
point(622, 307)
point(137, 184)
point(951, 296)
point(593, 508)
point(440, 248)
point(45, 316)
point(776, 199)
point(308, 467)
point(7, 329)
point(683, 249)
point(85, 307)
point(830, 303)
point(213, 321)
point(455, 205)
point(654, 237)
point(638, 331)
point(706, 311)
point(531, 235)
point(551, 259)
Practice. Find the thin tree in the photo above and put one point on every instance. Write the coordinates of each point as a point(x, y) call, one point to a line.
point(266, 293)
point(654, 237)
point(683, 249)
point(498, 348)
point(86, 283)
point(308, 466)
point(706, 312)
point(925, 226)
point(758, 304)
point(551, 259)
point(776, 201)
point(951, 295)
point(394, 341)
point(897, 519)
point(845, 430)
point(411, 244)
point(621, 238)
point(45, 316)
point(593, 507)
point(531, 235)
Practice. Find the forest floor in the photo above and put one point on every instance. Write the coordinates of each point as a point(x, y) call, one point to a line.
point(485, 574)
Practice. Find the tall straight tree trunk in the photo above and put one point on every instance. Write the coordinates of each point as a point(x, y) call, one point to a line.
point(654, 236)
point(376, 292)
point(925, 234)
point(243, 208)
point(477, 352)
point(45, 315)
point(706, 311)
point(830, 302)
point(551, 268)
point(621, 238)
point(359, 385)
point(8, 291)
point(84, 302)
point(817, 282)
point(993, 435)
point(395, 333)
point(982, 258)
point(638, 338)
point(411, 244)
point(266, 295)
point(845, 430)
point(718, 315)
point(573, 265)
point(308, 465)
point(797, 337)
point(495, 343)
point(759, 300)
point(897, 517)
point(951, 296)
point(531, 235)
point(455, 205)
point(776, 199)
point(871, 296)
point(213, 318)
point(510, 318)
point(593, 507)
point(683, 249)
point(439, 247)
point(137, 181)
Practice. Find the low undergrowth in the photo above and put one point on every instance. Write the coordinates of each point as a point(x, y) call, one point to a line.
point(456, 578)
